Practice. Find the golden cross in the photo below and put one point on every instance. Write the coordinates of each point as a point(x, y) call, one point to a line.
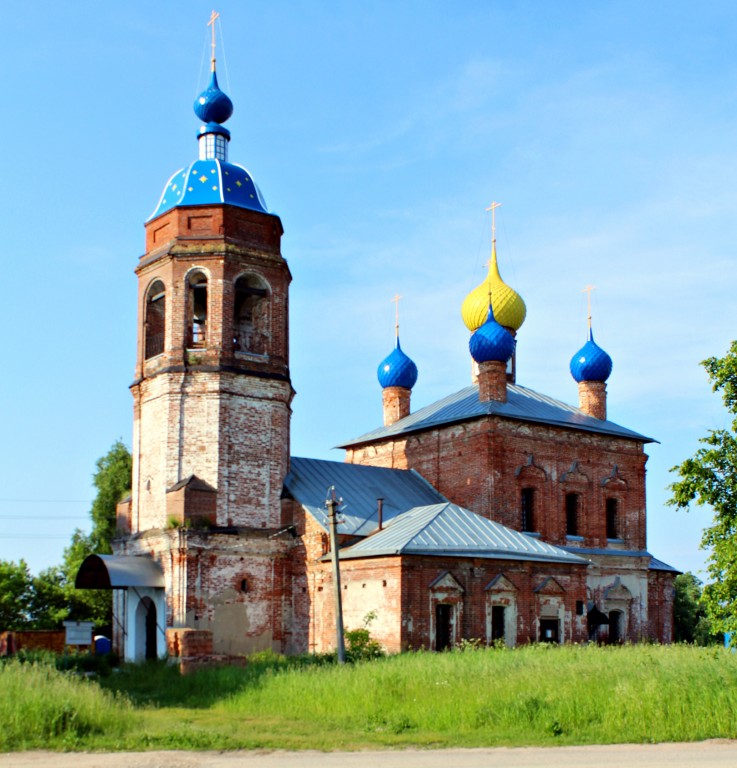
point(493, 208)
point(214, 15)
point(395, 300)
point(588, 290)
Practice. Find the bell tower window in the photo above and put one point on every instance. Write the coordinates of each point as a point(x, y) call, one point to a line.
point(251, 316)
point(155, 322)
point(197, 305)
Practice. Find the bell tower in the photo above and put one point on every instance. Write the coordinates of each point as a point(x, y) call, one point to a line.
point(212, 390)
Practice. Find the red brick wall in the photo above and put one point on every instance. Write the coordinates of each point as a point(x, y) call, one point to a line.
point(399, 590)
point(484, 464)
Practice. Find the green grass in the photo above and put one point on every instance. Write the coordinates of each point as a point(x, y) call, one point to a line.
point(536, 695)
point(42, 707)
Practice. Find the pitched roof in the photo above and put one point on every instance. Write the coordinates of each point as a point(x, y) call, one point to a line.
point(449, 530)
point(310, 480)
point(522, 404)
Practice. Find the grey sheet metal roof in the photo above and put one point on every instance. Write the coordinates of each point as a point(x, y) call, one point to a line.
point(522, 404)
point(118, 572)
point(659, 565)
point(654, 564)
point(452, 531)
point(309, 482)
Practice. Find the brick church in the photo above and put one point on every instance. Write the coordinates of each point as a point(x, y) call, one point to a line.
point(496, 514)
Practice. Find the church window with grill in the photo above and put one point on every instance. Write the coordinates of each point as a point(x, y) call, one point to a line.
point(527, 509)
point(155, 322)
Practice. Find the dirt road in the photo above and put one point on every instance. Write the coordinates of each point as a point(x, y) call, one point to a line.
point(705, 754)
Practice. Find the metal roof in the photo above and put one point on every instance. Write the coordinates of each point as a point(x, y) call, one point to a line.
point(522, 404)
point(654, 565)
point(118, 572)
point(310, 480)
point(452, 531)
point(659, 565)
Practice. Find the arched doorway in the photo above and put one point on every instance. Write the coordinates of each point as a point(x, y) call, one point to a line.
point(146, 630)
point(615, 627)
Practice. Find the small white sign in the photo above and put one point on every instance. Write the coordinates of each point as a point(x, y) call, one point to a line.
point(79, 632)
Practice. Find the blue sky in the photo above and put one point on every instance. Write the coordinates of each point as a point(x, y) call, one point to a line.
point(379, 132)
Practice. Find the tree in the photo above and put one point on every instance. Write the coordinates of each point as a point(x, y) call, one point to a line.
point(690, 622)
point(709, 478)
point(49, 605)
point(113, 482)
point(15, 595)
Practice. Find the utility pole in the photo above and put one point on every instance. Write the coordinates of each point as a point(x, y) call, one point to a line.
point(332, 505)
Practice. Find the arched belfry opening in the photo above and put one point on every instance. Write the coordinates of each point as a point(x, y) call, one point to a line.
point(251, 321)
point(155, 319)
point(197, 309)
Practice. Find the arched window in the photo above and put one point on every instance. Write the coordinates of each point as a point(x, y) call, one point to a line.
point(155, 322)
point(612, 519)
point(527, 509)
point(572, 504)
point(251, 315)
point(197, 309)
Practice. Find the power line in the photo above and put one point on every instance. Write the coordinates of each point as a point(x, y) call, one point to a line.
point(44, 517)
point(47, 501)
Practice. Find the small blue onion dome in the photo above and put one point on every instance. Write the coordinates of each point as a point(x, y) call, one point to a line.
point(397, 370)
point(591, 362)
point(212, 105)
point(491, 341)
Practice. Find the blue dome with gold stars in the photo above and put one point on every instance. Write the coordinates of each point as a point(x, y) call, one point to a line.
point(591, 362)
point(491, 341)
point(212, 180)
point(397, 370)
point(208, 182)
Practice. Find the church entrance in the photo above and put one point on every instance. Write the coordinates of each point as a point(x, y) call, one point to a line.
point(146, 630)
point(443, 615)
point(549, 631)
point(615, 627)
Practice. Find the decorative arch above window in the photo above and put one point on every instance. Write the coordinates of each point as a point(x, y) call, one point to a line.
point(155, 319)
point(251, 315)
point(197, 309)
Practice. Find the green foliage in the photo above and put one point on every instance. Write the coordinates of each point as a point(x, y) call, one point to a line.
point(360, 646)
point(16, 587)
point(690, 622)
point(709, 478)
point(113, 482)
point(49, 602)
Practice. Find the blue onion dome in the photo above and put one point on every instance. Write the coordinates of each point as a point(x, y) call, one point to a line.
point(491, 341)
point(212, 105)
point(397, 370)
point(591, 362)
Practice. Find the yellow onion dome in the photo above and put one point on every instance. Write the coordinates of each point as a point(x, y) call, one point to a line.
point(509, 307)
